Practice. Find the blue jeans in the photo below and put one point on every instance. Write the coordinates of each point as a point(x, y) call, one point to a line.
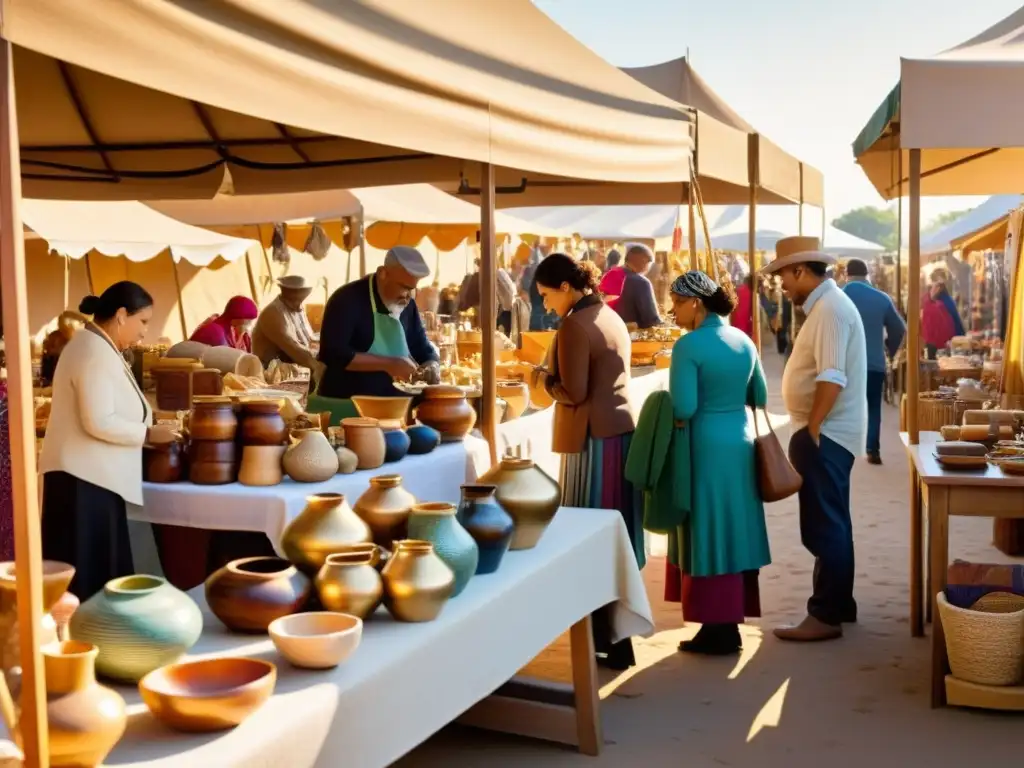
point(876, 386)
point(826, 529)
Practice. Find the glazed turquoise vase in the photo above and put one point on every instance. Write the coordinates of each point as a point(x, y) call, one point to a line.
point(488, 523)
point(435, 522)
point(139, 623)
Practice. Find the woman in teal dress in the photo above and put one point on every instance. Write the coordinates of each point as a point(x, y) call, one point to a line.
point(715, 380)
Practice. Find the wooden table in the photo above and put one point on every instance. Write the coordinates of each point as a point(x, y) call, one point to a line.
point(943, 494)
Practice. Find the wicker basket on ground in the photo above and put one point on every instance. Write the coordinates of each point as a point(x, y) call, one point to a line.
point(985, 643)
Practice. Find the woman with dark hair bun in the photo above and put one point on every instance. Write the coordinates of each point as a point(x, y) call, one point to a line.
point(714, 380)
point(92, 453)
point(587, 375)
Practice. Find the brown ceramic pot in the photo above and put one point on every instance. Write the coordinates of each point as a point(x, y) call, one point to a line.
point(311, 459)
point(262, 423)
point(212, 418)
point(212, 452)
point(349, 583)
point(365, 438)
point(261, 465)
point(529, 496)
point(385, 506)
point(446, 409)
point(417, 583)
point(326, 524)
point(248, 594)
point(212, 473)
point(163, 462)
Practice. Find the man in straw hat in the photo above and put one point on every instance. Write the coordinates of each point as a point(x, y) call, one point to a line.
point(372, 335)
point(283, 331)
point(825, 392)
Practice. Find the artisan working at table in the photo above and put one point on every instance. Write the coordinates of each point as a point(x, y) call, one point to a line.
point(372, 335)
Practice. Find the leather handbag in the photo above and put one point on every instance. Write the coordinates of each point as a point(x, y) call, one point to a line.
point(777, 479)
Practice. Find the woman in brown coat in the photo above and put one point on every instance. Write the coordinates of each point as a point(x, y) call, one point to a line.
point(587, 375)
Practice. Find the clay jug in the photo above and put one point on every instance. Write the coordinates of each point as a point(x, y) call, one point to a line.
point(417, 583)
point(311, 459)
point(86, 719)
point(261, 465)
point(385, 507)
point(326, 524)
point(529, 496)
point(366, 439)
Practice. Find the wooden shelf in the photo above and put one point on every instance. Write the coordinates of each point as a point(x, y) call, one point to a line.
point(963, 694)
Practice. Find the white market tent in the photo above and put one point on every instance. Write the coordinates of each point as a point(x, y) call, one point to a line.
point(992, 210)
point(608, 222)
point(729, 232)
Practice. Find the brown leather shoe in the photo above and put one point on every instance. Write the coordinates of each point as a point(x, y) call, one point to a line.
point(810, 630)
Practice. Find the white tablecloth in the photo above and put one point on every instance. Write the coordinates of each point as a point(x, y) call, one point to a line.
point(435, 476)
point(407, 681)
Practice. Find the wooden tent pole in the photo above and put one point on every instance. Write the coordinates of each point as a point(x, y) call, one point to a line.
point(181, 299)
point(899, 235)
point(488, 310)
point(800, 210)
point(362, 244)
point(914, 296)
point(755, 304)
point(691, 223)
point(24, 480)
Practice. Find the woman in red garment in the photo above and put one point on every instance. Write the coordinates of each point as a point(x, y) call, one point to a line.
point(231, 327)
point(937, 326)
point(613, 279)
point(742, 317)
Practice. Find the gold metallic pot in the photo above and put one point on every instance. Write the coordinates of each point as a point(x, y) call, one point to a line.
point(349, 583)
point(528, 494)
point(385, 507)
point(417, 583)
point(322, 528)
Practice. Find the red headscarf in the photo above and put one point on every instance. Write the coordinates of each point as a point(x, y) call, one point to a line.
point(218, 331)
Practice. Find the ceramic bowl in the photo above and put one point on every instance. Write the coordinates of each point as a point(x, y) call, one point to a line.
point(318, 640)
point(208, 695)
point(422, 439)
point(382, 407)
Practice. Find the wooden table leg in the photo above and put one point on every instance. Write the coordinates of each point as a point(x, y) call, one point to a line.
point(585, 687)
point(938, 545)
point(916, 556)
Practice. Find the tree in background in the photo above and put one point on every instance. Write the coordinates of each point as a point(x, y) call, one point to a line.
point(945, 218)
point(877, 225)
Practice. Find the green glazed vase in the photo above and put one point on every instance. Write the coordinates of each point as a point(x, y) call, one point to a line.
point(436, 522)
point(139, 623)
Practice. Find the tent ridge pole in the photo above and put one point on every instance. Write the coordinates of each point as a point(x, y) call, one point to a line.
point(914, 297)
point(753, 159)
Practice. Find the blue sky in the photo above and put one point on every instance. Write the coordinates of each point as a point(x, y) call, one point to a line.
point(806, 73)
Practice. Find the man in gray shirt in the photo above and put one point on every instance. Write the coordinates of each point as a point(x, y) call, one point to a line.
point(636, 303)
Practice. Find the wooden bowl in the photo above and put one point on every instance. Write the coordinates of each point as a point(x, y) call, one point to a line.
point(212, 473)
point(318, 640)
point(213, 451)
point(382, 407)
point(208, 695)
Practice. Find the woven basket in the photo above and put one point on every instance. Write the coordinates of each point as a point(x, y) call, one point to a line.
point(934, 412)
point(985, 643)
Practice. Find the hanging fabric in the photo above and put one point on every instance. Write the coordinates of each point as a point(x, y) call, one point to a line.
point(279, 244)
point(318, 244)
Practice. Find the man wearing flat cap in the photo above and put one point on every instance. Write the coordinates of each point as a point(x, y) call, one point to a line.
point(824, 388)
point(282, 331)
point(372, 335)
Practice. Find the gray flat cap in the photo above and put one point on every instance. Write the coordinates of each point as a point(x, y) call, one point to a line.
point(409, 259)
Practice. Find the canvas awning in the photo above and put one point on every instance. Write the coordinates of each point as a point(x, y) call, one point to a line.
point(612, 222)
point(137, 99)
point(971, 224)
point(730, 232)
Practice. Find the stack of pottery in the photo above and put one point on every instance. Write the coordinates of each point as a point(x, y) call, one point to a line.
point(212, 450)
point(446, 409)
point(325, 526)
point(365, 438)
point(385, 507)
point(310, 459)
point(248, 594)
point(436, 522)
point(529, 496)
point(263, 435)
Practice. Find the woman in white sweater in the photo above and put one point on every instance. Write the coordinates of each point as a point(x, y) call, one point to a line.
point(92, 453)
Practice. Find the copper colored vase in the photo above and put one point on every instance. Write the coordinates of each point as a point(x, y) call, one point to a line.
point(529, 496)
point(417, 583)
point(326, 524)
point(385, 506)
point(349, 583)
point(446, 409)
point(250, 593)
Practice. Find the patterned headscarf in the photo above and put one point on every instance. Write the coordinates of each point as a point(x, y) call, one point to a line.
point(694, 284)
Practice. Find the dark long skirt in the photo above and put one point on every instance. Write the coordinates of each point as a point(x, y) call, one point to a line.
point(87, 526)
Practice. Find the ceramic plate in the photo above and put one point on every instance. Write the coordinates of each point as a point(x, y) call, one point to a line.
point(961, 462)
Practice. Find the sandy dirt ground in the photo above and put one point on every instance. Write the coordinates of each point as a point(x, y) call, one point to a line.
point(860, 701)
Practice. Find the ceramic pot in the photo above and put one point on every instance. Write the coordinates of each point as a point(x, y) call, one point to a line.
point(248, 594)
point(516, 396)
point(372, 407)
point(529, 496)
point(262, 423)
point(446, 409)
point(435, 521)
point(378, 556)
point(348, 583)
point(365, 438)
point(311, 459)
point(417, 583)
point(212, 473)
point(317, 640)
point(86, 719)
point(326, 523)
point(385, 506)
point(62, 612)
point(163, 462)
point(348, 462)
point(261, 465)
point(138, 623)
point(422, 439)
point(212, 452)
point(56, 578)
point(490, 526)
point(396, 442)
point(212, 418)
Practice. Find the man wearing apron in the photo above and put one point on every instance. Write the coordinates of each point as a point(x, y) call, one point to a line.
point(372, 335)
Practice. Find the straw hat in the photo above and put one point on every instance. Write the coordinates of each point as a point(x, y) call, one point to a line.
point(295, 284)
point(797, 250)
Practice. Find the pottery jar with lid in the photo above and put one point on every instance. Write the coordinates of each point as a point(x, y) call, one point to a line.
point(365, 438)
point(262, 423)
point(385, 507)
point(417, 583)
point(528, 494)
point(325, 524)
point(435, 521)
point(446, 409)
point(212, 418)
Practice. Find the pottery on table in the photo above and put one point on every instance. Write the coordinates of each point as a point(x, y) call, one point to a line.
point(365, 438)
point(326, 523)
point(446, 409)
point(516, 395)
point(529, 496)
point(417, 583)
point(212, 418)
point(248, 594)
point(85, 719)
point(262, 423)
point(212, 452)
point(138, 623)
point(436, 522)
point(163, 462)
point(348, 462)
point(422, 439)
point(378, 556)
point(261, 465)
point(488, 523)
point(317, 640)
point(208, 695)
point(56, 578)
point(212, 473)
point(373, 407)
point(62, 612)
point(385, 506)
point(311, 459)
point(396, 442)
point(348, 582)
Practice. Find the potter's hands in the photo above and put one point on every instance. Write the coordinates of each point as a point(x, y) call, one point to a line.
point(161, 433)
point(430, 372)
point(401, 368)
